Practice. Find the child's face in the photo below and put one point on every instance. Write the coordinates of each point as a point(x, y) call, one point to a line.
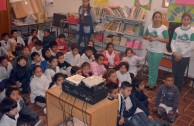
point(86, 70)
point(15, 35)
point(123, 69)
point(129, 53)
point(13, 112)
point(126, 92)
point(4, 63)
point(34, 33)
point(15, 95)
point(100, 60)
point(54, 63)
point(186, 21)
point(38, 72)
point(6, 38)
point(37, 59)
point(54, 49)
point(22, 62)
point(89, 53)
point(61, 59)
point(141, 86)
point(60, 81)
point(26, 52)
point(113, 77)
point(110, 48)
point(90, 44)
point(85, 3)
point(48, 53)
point(46, 34)
point(169, 81)
point(62, 40)
point(157, 19)
point(38, 47)
point(75, 51)
point(114, 93)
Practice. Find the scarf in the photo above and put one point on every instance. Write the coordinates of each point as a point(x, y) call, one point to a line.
point(110, 57)
point(84, 9)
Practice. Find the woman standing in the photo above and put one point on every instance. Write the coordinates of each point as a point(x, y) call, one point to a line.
point(182, 44)
point(157, 34)
point(85, 23)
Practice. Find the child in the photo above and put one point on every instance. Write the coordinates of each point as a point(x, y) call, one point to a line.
point(91, 44)
point(20, 74)
point(3, 51)
point(34, 33)
point(97, 66)
point(167, 99)
point(37, 48)
point(22, 107)
point(52, 68)
point(85, 70)
point(122, 73)
point(5, 70)
point(182, 46)
point(73, 57)
point(37, 60)
point(62, 44)
point(46, 53)
point(111, 76)
point(54, 48)
point(33, 41)
point(17, 40)
point(88, 55)
point(10, 112)
point(63, 65)
point(38, 85)
point(111, 57)
point(132, 60)
point(112, 90)
point(58, 80)
point(47, 38)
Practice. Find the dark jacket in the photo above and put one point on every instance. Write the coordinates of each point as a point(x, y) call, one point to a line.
point(47, 40)
point(64, 65)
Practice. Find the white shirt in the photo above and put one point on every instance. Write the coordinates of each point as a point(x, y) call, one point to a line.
point(38, 51)
point(6, 44)
point(73, 60)
point(30, 39)
point(7, 121)
point(5, 73)
point(50, 72)
point(123, 77)
point(84, 58)
point(19, 40)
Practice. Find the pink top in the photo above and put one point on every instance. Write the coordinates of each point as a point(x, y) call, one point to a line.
point(62, 47)
point(97, 70)
point(30, 45)
point(116, 58)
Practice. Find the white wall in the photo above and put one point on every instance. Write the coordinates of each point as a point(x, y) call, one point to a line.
point(65, 6)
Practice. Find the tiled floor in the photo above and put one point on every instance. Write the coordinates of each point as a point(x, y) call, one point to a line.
point(186, 104)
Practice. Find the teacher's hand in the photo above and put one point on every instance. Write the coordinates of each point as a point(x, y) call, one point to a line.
point(152, 39)
point(178, 56)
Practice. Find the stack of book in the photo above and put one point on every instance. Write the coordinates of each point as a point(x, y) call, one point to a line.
point(116, 40)
point(123, 41)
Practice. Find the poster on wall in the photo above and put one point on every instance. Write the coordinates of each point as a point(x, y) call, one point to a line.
point(101, 2)
point(2, 5)
point(175, 12)
point(146, 4)
point(185, 2)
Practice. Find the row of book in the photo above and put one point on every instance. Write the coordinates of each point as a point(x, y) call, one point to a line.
point(133, 13)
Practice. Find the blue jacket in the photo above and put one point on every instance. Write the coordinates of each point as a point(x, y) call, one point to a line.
point(43, 65)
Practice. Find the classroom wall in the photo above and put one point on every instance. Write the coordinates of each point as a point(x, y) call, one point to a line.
point(65, 6)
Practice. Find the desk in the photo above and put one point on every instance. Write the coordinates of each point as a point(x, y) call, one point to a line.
point(103, 113)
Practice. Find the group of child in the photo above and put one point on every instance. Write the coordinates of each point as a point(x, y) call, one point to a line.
point(37, 66)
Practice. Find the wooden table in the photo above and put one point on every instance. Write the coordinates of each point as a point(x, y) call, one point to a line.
point(61, 105)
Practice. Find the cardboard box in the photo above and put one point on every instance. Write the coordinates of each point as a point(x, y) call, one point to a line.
point(41, 17)
point(37, 6)
point(22, 8)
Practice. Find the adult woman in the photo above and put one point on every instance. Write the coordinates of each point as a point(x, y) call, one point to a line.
point(182, 44)
point(157, 35)
point(85, 25)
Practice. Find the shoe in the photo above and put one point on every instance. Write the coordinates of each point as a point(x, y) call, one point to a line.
point(41, 104)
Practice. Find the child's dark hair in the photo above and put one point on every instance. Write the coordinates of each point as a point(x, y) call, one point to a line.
point(20, 58)
point(109, 44)
point(52, 58)
point(127, 50)
point(7, 105)
point(14, 30)
point(44, 50)
point(85, 64)
point(35, 67)
point(59, 54)
point(56, 76)
point(33, 30)
point(26, 47)
point(109, 72)
point(34, 54)
point(61, 36)
point(187, 14)
point(38, 43)
point(91, 41)
point(10, 90)
point(169, 75)
point(4, 34)
point(74, 46)
point(97, 56)
point(2, 58)
point(52, 44)
point(138, 81)
point(157, 12)
point(111, 86)
point(47, 30)
point(89, 48)
point(123, 64)
point(125, 85)
point(25, 120)
point(35, 38)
